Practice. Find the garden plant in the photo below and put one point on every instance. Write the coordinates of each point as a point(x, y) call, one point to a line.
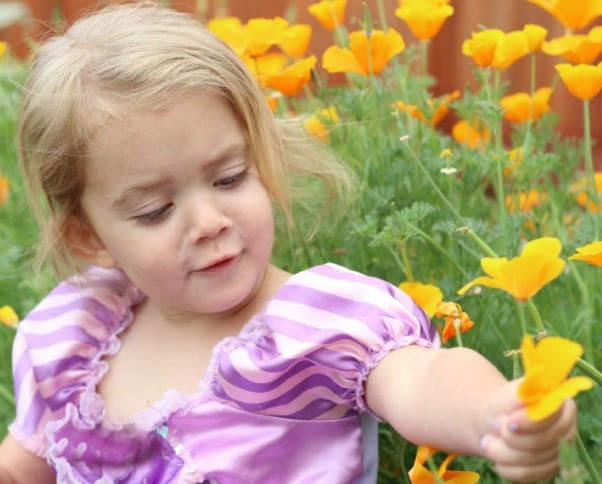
point(493, 227)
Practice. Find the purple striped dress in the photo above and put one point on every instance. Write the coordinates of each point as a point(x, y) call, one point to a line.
point(282, 402)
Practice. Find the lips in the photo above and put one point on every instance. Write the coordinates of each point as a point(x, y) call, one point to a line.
point(218, 264)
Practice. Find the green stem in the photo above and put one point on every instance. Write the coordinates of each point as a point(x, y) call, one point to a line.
point(586, 460)
point(7, 395)
point(528, 137)
point(590, 370)
point(424, 50)
point(521, 317)
point(537, 318)
point(480, 242)
point(429, 178)
point(437, 246)
point(382, 16)
point(406, 263)
point(499, 141)
point(589, 164)
point(458, 332)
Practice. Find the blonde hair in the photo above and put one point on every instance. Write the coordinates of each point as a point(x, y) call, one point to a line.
point(140, 56)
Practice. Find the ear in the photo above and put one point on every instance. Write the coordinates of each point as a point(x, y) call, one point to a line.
point(86, 245)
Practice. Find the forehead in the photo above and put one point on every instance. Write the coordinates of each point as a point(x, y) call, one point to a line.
point(195, 125)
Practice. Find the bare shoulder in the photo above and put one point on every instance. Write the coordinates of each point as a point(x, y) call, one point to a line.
point(18, 465)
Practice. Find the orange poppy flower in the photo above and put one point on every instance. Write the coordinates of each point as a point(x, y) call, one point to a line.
point(232, 31)
point(574, 15)
point(494, 48)
point(515, 158)
point(426, 296)
point(525, 201)
point(454, 318)
point(367, 53)
point(295, 40)
point(583, 81)
point(330, 13)
point(2, 49)
point(266, 65)
point(474, 135)
point(8, 316)
point(315, 124)
point(520, 107)
point(438, 109)
point(536, 34)
point(511, 47)
point(291, 80)
point(424, 18)
point(481, 47)
point(525, 275)
point(577, 49)
point(547, 365)
point(253, 39)
point(4, 187)
point(263, 33)
point(583, 197)
point(591, 253)
point(419, 474)
point(272, 100)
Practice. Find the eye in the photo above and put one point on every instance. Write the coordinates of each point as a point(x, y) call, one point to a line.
point(153, 216)
point(232, 181)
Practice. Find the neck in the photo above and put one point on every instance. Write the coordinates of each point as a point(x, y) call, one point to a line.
point(230, 321)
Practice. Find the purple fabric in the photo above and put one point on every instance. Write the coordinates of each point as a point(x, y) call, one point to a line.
point(281, 402)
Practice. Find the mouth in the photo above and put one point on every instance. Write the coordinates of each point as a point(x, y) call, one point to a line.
point(219, 264)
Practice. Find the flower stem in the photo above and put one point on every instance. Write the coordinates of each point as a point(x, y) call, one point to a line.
point(587, 461)
point(406, 263)
point(424, 51)
point(429, 178)
point(7, 395)
point(480, 242)
point(537, 318)
point(457, 322)
point(589, 165)
point(528, 137)
point(590, 370)
point(382, 16)
point(521, 317)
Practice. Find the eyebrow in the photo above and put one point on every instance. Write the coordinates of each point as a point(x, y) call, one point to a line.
point(137, 190)
point(153, 185)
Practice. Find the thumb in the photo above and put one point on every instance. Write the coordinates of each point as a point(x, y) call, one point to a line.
point(503, 403)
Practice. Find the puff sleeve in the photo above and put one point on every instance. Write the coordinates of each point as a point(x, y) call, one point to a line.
point(58, 346)
point(324, 331)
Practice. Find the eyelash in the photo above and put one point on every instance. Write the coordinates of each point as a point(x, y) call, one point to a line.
point(156, 215)
point(232, 181)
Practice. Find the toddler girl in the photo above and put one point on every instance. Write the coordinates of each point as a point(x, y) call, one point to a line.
point(180, 354)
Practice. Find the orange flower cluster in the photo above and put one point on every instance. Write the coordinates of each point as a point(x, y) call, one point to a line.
point(455, 319)
point(284, 69)
point(419, 474)
point(499, 50)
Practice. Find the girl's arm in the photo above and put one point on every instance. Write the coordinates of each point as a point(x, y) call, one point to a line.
point(456, 401)
point(18, 465)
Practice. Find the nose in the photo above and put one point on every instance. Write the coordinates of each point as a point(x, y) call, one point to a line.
point(206, 218)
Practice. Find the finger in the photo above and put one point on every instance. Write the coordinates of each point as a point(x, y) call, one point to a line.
point(559, 425)
point(501, 453)
point(537, 472)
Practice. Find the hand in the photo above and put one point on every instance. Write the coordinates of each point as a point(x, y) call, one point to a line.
point(521, 449)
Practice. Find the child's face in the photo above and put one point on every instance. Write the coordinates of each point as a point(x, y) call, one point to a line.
point(176, 202)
